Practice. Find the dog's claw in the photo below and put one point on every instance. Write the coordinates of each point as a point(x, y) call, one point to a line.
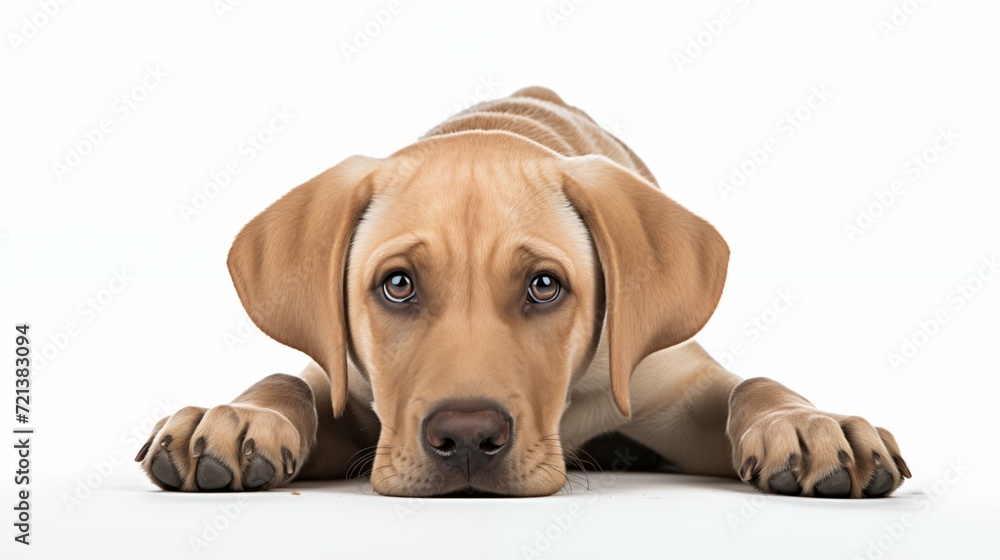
point(142, 451)
point(212, 474)
point(834, 485)
point(287, 461)
point(164, 471)
point(258, 473)
point(747, 469)
point(845, 459)
point(901, 465)
point(199, 447)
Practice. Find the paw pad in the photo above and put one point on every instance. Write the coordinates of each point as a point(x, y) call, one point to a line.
point(212, 474)
point(834, 485)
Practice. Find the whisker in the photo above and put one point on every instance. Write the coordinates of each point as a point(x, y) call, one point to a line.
point(544, 468)
point(364, 480)
point(593, 462)
point(367, 457)
point(366, 453)
point(577, 478)
point(359, 465)
point(360, 451)
point(391, 476)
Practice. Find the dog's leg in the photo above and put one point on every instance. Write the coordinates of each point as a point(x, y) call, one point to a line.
point(280, 429)
point(709, 421)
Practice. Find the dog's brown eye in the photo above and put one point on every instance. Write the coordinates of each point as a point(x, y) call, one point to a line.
point(398, 287)
point(543, 288)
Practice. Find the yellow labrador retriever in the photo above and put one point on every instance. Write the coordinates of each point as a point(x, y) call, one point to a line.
point(482, 304)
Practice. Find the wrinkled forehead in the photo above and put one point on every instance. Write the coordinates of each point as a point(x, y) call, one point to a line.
point(470, 211)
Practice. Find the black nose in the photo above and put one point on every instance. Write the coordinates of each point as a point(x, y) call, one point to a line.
point(469, 436)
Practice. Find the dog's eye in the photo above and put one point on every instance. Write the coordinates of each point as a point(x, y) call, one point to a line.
point(398, 287)
point(543, 288)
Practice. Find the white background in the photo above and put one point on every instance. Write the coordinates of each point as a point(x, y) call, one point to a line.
point(166, 339)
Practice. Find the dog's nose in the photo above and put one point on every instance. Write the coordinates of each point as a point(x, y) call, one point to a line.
point(468, 437)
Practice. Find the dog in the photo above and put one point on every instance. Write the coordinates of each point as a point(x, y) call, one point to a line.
point(481, 306)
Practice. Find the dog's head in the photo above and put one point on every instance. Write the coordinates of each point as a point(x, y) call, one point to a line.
point(469, 278)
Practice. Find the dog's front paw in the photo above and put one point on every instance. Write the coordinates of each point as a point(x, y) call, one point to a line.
point(802, 451)
point(233, 447)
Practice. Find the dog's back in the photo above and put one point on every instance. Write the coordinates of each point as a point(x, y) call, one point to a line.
point(540, 115)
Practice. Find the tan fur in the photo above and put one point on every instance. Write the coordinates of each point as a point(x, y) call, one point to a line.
point(507, 189)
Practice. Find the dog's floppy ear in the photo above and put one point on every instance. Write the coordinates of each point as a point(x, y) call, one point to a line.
point(664, 267)
point(288, 266)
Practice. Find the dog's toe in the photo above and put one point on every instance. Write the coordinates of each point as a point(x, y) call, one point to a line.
point(880, 483)
point(257, 473)
point(784, 482)
point(834, 485)
point(225, 448)
point(212, 474)
point(813, 453)
point(164, 471)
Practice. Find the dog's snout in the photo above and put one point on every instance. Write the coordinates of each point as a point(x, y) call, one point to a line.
point(466, 435)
